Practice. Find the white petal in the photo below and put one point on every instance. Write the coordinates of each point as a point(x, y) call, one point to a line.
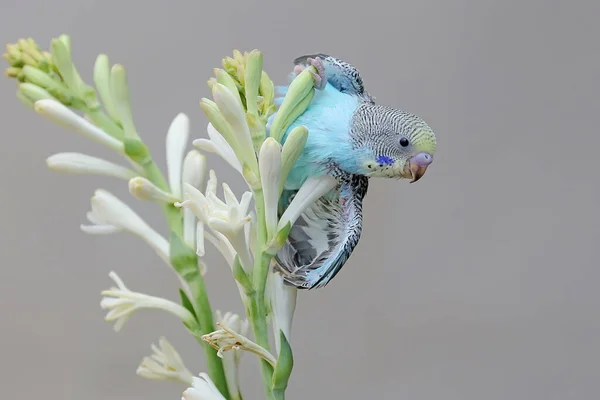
point(211, 185)
point(194, 170)
point(177, 138)
point(164, 364)
point(245, 202)
point(110, 209)
point(189, 227)
point(237, 239)
point(217, 144)
point(195, 201)
point(230, 198)
point(143, 189)
point(223, 148)
point(220, 225)
point(215, 202)
point(202, 389)
point(206, 145)
point(113, 211)
point(232, 111)
point(312, 189)
point(200, 251)
point(100, 229)
point(62, 115)
point(77, 163)
point(121, 322)
point(283, 305)
point(121, 285)
point(222, 245)
point(269, 164)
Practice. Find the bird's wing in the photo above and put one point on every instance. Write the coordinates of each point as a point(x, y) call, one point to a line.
point(324, 236)
point(341, 75)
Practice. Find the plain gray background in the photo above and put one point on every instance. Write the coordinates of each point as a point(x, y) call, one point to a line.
point(479, 282)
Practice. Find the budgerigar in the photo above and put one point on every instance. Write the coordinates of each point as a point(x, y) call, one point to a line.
point(352, 139)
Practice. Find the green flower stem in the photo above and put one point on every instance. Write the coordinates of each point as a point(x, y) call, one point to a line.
point(205, 320)
point(258, 311)
point(200, 296)
point(259, 326)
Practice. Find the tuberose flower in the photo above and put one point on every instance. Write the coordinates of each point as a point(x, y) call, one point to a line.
point(110, 215)
point(202, 388)
point(227, 218)
point(165, 363)
point(231, 359)
point(226, 339)
point(122, 303)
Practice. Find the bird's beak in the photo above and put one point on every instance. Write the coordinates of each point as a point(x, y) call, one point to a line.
point(417, 172)
point(418, 165)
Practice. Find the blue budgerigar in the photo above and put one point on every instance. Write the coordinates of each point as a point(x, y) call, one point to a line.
point(351, 138)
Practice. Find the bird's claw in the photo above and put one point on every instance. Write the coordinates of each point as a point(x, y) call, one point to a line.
point(320, 77)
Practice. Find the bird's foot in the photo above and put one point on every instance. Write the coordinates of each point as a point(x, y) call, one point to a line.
point(320, 77)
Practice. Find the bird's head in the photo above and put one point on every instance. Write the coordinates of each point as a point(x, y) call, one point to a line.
point(395, 144)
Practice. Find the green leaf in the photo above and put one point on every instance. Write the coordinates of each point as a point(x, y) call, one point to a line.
point(183, 259)
point(186, 303)
point(278, 240)
point(240, 275)
point(283, 368)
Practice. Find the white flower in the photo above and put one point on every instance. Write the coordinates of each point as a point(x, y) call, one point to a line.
point(177, 138)
point(226, 339)
point(218, 145)
point(310, 191)
point(231, 359)
point(123, 303)
point(202, 388)
point(77, 163)
point(269, 164)
point(164, 364)
point(283, 305)
point(62, 115)
point(142, 189)
point(228, 218)
point(110, 215)
point(194, 174)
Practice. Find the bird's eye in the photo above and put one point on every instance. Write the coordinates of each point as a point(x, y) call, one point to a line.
point(404, 142)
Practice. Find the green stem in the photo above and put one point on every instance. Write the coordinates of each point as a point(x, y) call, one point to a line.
point(201, 303)
point(278, 395)
point(259, 326)
point(258, 314)
point(205, 320)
